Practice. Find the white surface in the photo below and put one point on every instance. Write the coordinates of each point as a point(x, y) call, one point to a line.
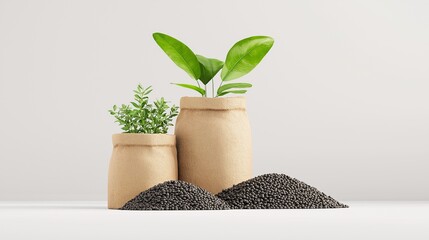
point(340, 102)
point(90, 220)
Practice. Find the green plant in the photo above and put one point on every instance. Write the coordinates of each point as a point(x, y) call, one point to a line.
point(142, 116)
point(242, 58)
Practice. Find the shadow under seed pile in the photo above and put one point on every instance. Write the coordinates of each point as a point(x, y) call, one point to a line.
point(175, 195)
point(276, 191)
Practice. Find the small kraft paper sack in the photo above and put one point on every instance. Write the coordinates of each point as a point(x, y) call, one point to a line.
point(139, 162)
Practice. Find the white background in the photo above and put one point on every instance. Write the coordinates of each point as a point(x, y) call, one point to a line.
point(341, 101)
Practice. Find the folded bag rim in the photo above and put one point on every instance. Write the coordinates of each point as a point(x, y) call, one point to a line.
point(204, 103)
point(143, 139)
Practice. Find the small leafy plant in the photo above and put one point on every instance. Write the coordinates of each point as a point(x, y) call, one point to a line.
point(242, 58)
point(142, 116)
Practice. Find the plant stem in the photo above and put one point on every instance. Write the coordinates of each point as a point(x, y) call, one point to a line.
point(199, 87)
point(205, 89)
point(213, 88)
point(220, 85)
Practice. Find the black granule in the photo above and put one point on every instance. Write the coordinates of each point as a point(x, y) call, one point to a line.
point(276, 191)
point(175, 195)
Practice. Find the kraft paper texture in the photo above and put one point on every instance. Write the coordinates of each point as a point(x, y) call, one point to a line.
point(139, 161)
point(214, 143)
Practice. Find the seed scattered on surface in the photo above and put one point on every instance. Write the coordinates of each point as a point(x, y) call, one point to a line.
point(276, 191)
point(175, 195)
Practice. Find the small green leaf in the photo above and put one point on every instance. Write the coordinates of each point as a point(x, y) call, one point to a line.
point(181, 54)
point(135, 104)
point(209, 68)
point(232, 85)
point(147, 90)
point(234, 91)
point(245, 55)
point(198, 89)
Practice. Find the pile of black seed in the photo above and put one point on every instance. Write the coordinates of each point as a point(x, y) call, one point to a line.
point(276, 191)
point(175, 195)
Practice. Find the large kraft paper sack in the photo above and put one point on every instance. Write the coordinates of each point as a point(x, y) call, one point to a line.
point(214, 143)
point(139, 162)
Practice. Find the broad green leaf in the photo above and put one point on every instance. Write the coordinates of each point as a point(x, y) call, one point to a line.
point(198, 89)
point(225, 87)
point(235, 91)
point(244, 56)
point(209, 68)
point(181, 54)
